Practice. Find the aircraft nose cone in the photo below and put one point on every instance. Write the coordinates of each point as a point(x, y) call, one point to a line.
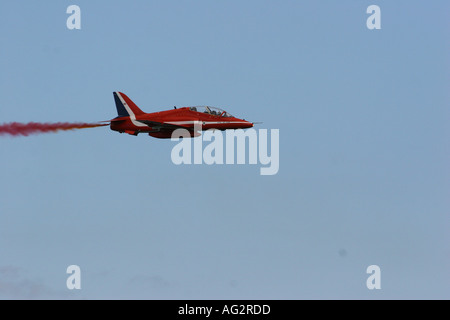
point(248, 124)
point(244, 124)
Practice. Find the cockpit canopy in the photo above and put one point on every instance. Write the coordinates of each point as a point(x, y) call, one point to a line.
point(211, 110)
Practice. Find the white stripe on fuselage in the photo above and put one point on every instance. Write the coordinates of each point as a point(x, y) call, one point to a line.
point(205, 122)
point(131, 113)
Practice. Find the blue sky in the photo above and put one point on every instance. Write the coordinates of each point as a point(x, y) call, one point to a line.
point(364, 158)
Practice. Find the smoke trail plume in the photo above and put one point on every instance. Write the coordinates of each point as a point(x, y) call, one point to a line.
point(26, 129)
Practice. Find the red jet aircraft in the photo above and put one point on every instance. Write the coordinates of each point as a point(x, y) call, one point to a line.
point(133, 120)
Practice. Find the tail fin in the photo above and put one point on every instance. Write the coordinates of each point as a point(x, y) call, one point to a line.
point(126, 107)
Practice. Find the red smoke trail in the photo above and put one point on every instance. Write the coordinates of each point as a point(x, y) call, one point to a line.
point(26, 129)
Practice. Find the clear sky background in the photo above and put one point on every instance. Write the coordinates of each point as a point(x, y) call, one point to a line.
point(364, 151)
